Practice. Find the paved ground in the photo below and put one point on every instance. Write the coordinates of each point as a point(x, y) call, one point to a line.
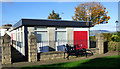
point(21, 64)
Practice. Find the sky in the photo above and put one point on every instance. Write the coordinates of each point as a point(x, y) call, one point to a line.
point(60, 0)
point(12, 12)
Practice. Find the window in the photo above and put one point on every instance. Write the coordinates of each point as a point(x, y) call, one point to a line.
point(16, 38)
point(60, 34)
point(42, 36)
point(42, 39)
point(60, 37)
point(19, 36)
point(41, 33)
point(22, 37)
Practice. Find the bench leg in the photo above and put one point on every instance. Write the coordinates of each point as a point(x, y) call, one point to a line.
point(86, 54)
point(64, 55)
point(76, 54)
point(68, 56)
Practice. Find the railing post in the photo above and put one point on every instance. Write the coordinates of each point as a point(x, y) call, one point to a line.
point(32, 48)
point(6, 49)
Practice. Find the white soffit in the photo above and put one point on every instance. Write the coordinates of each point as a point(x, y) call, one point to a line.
point(80, 29)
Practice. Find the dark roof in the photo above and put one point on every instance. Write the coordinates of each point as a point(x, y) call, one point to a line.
point(51, 23)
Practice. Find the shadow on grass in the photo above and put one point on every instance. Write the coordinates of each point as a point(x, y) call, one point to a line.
point(97, 63)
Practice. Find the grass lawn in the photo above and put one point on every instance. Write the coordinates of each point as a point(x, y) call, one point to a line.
point(97, 63)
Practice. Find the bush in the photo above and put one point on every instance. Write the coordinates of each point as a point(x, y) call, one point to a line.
point(118, 33)
point(115, 38)
point(113, 46)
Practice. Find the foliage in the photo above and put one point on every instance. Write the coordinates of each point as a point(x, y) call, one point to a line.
point(113, 46)
point(92, 38)
point(91, 11)
point(10, 25)
point(118, 33)
point(107, 36)
point(54, 15)
point(115, 33)
point(115, 38)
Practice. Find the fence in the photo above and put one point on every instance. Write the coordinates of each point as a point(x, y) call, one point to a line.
point(92, 43)
point(34, 47)
point(59, 45)
point(43, 46)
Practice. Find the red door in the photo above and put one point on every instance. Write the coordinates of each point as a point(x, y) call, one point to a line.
point(81, 39)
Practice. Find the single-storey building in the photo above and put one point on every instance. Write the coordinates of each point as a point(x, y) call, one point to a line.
point(52, 35)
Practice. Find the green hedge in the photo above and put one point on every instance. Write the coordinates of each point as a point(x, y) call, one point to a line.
point(113, 46)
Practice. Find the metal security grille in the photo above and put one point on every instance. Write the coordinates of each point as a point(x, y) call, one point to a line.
point(92, 43)
point(43, 46)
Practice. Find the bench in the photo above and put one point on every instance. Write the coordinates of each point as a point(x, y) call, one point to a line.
point(72, 51)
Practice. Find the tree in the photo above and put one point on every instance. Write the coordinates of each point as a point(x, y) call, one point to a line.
point(54, 15)
point(107, 36)
point(9, 25)
point(93, 11)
